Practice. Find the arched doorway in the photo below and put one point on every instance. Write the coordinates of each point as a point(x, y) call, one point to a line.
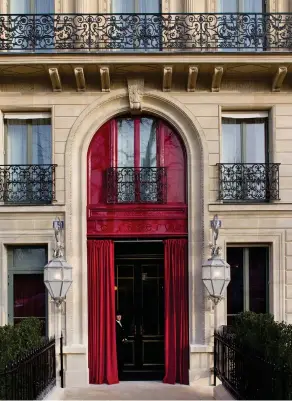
point(137, 249)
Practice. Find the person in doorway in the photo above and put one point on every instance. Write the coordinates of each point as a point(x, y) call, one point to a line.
point(120, 340)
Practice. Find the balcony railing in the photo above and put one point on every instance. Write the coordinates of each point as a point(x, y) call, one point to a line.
point(32, 184)
point(136, 185)
point(244, 182)
point(145, 32)
point(238, 367)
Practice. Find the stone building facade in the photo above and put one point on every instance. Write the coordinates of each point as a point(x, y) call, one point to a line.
point(231, 105)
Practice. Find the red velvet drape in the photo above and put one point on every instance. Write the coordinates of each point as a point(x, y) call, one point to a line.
point(102, 357)
point(176, 312)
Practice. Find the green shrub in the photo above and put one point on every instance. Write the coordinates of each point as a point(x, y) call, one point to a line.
point(268, 339)
point(16, 341)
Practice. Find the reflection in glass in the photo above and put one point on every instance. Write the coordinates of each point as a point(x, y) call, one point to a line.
point(126, 181)
point(244, 141)
point(148, 177)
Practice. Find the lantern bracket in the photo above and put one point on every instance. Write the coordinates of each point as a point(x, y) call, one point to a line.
point(215, 226)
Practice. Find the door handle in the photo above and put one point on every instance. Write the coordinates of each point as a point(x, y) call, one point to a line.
point(135, 331)
point(141, 329)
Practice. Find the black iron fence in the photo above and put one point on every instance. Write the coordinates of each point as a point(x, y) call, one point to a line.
point(136, 185)
point(245, 375)
point(32, 377)
point(27, 184)
point(145, 32)
point(246, 182)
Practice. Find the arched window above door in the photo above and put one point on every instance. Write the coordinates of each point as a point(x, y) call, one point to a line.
point(136, 160)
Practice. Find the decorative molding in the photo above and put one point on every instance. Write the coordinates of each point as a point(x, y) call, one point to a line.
point(80, 79)
point(192, 78)
point(279, 78)
point(217, 78)
point(136, 92)
point(166, 6)
point(94, 116)
point(167, 79)
point(55, 79)
point(105, 79)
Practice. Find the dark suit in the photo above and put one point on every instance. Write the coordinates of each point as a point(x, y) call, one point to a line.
point(120, 337)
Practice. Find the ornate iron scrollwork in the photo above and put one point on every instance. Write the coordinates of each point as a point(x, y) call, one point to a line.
point(136, 185)
point(27, 184)
point(248, 182)
point(158, 32)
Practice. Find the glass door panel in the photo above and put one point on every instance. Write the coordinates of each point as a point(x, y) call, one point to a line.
point(125, 162)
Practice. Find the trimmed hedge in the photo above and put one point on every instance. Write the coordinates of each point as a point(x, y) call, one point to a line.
point(16, 341)
point(268, 339)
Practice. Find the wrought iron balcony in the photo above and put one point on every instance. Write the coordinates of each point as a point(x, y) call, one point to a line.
point(30, 184)
point(244, 182)
point(145, 32)
point(136, 185)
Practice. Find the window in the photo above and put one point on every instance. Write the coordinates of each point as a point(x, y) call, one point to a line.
point(28, 167)
point(245, 156)
point(248, 288)
point(237, 32)
point(31, 32)
point(27, 296)
point(31, 6)
point(28, 138)
point(137, 175)
point(136, 6)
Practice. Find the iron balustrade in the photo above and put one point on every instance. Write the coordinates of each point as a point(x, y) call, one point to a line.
point(254, 32)
point(27, 184)
point(32, 377)
point(247, 376)
point(248, 182)
point(136, 185)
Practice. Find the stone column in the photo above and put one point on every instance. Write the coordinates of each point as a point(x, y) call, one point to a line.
point(190, 6)
point(194, 6)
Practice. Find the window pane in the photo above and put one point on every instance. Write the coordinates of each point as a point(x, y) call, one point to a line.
point(29, 258)
point(258, 278)
point(123, 6)
point(41, 141)
point(126, 181)
point(235, 287)
point(44, 6)
point(148, 142)
point(255, 141)
point(149, 6)
point(16, 141)
point(231, 132)
point(29, 297)
point(228, 6)
point(251, 6)
point(125, 142)
point(19, 6)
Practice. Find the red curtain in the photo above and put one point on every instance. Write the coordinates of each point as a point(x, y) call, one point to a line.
point(102, 356)
point(176, 312)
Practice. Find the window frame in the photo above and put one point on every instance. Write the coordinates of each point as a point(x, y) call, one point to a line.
point(245, 281)
point(242, 119)
point(29, 117)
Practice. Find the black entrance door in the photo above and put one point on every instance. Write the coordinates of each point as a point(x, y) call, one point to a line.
point(140, 298)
